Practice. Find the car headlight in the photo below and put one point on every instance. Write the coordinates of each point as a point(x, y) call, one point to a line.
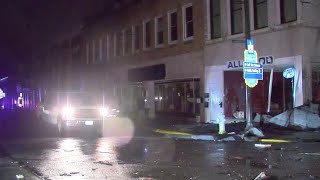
point(104, 111)
point(67, 112)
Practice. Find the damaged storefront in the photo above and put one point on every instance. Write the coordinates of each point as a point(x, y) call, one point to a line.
point(276, 93)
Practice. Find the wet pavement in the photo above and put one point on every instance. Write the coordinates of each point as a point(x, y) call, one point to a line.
point(31, 150)
point(155, 158)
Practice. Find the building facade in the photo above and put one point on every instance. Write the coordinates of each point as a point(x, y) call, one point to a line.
point(184, 57)
point(286, 34)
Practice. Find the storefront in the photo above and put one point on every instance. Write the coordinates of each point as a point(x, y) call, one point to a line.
point(273, 95)
point(178, 97)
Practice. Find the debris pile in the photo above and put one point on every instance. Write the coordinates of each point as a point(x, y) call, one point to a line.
point(301, 118)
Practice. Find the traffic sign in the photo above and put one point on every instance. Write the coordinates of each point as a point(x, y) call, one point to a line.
point(252, 70)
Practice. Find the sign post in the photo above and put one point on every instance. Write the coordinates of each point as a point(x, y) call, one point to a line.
point(252, 72)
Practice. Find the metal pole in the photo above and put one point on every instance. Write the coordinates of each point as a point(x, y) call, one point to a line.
point(248, 89)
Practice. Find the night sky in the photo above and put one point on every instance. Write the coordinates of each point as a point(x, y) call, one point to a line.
point(29, 27)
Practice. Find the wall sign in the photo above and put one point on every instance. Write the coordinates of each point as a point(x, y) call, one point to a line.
point(238, 64)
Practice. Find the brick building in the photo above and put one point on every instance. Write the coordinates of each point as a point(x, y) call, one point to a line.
point(172, 53)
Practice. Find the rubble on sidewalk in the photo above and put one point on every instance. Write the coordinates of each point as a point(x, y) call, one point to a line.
point(255, 132)
point(301, 118)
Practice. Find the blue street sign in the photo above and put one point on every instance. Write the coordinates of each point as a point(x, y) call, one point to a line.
point(253, 76)
point(251, 65)
point(252, 70)
point(250, 44)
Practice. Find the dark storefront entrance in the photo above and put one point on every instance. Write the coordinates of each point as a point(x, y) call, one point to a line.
point(235, 94)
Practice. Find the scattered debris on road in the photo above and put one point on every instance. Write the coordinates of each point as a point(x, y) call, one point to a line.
point(255, 132)
point(315, 154)
point(19, 176)
point(263, 145)
point(261, 176)
point(105, 163)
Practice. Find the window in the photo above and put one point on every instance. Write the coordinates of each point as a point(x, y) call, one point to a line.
point(288, 10)
point(100, 49)
point(260, 14)
point(115, 45)
point(137, 37)
point(147, 34)
point(87, 53)
point(119, 43)
point(215, 19)
point(159, 31)
point(187, 22)
point(107, 46)
point(236, 17)
point(127, 41)
point(178, 97)
point(93, 51)
point(173, 27)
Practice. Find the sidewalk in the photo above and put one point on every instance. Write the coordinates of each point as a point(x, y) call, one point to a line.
point(209, 132)
point(183, 129)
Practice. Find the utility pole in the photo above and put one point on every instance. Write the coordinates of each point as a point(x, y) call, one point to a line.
point(248, 89)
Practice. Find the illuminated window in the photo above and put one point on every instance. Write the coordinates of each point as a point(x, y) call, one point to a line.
point(288, 10)
point(187, 22)
point(236, 16)
point(215, 19)
point(173, 27)
point(159, 30)
point(147, 34)
point(260, 14)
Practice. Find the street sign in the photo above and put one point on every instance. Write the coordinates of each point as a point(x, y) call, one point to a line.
point(252, 70)
point(2, 94)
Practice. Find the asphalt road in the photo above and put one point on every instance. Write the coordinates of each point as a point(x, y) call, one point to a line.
point(153, 158)
point(33, 151)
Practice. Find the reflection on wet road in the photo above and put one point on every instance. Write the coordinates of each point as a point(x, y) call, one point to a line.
point(161, 158)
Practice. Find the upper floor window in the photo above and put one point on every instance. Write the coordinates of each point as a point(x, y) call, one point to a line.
point(173, 27)
point(136, 37)
point(87, 53)
point(159, 30)
point(236, 16)
point(187, 22)
point(100, 49)
point(260, 13)
point(107, 47)
point(215, 19)
point(147, 34)
point(127, 41)
point(93, 51)
point(119, 43)
point(288, 10)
